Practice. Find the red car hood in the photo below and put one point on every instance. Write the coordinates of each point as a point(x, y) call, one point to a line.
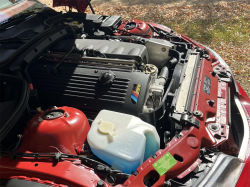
point(80, 5)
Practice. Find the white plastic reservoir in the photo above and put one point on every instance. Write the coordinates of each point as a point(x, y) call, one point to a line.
point(123, 141)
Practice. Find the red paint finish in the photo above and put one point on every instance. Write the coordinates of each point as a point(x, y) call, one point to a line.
point(80, 5)
point(163, 28)
point(176, 146)
point(192, 138)
point(160, 27)
point(245, 101)
point(65, 172)
point(243, 93)
point(65, 134)
point(229, 147)
point(33, 179)
point(216, 114)
point(244, 179)
point(190, 169)
point(137, 27)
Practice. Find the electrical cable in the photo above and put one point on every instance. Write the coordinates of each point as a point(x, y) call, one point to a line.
point(64, 57)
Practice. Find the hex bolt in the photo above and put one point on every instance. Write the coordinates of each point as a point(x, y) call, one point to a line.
point(100, 183)
point(206, 56)
point(66, 114)
point(39, 119)
point(19, 136)
point(213, 127)
point(55, 107)
point(163, 49)
point(167, 184)
point(197, 113)
point(222, 133)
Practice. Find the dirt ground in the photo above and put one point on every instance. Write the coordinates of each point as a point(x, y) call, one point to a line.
point(156, 2)
point(147, 2)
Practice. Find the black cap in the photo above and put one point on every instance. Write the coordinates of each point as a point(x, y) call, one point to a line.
point(100, 183)
point(107, 77)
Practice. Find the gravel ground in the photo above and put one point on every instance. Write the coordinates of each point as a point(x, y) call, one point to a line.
point(222, 25)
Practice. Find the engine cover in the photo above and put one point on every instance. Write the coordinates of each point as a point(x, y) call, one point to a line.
point(111, 49)
point(46, 132)
point(90, 88)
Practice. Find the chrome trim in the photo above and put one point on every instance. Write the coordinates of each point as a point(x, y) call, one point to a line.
point(245, 141)
point(225, 172)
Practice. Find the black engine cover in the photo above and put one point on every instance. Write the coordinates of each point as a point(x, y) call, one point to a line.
point(80, 87)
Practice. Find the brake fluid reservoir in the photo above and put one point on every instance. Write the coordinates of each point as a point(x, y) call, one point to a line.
point(123, 141)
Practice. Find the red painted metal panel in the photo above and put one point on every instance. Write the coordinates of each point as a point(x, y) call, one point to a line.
point(80, 5)
point(65, 134)
point(63, 172)
point(140, 28)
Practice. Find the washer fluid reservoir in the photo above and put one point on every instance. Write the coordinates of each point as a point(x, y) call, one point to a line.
point(123, 141)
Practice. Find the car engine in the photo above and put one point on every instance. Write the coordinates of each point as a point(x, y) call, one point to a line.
point(118, 92)
point(101, 74)
point(97, 71)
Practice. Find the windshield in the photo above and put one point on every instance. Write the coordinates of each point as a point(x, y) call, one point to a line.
point(9, 8)
point(8, 3)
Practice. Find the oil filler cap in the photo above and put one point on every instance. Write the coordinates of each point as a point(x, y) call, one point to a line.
point(107, 77)
point(106, 127)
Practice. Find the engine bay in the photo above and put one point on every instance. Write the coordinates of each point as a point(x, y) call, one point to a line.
point(120, 92)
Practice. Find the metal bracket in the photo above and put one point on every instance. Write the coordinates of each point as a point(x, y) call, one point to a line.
point(186, 119)
point(223, 75)
point(189, 120)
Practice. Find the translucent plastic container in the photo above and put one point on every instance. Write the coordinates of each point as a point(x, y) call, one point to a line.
point(123, 141)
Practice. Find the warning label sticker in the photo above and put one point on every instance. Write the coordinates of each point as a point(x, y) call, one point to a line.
point(164, 164)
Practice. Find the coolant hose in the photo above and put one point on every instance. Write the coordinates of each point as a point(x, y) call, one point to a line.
point(164, 73)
